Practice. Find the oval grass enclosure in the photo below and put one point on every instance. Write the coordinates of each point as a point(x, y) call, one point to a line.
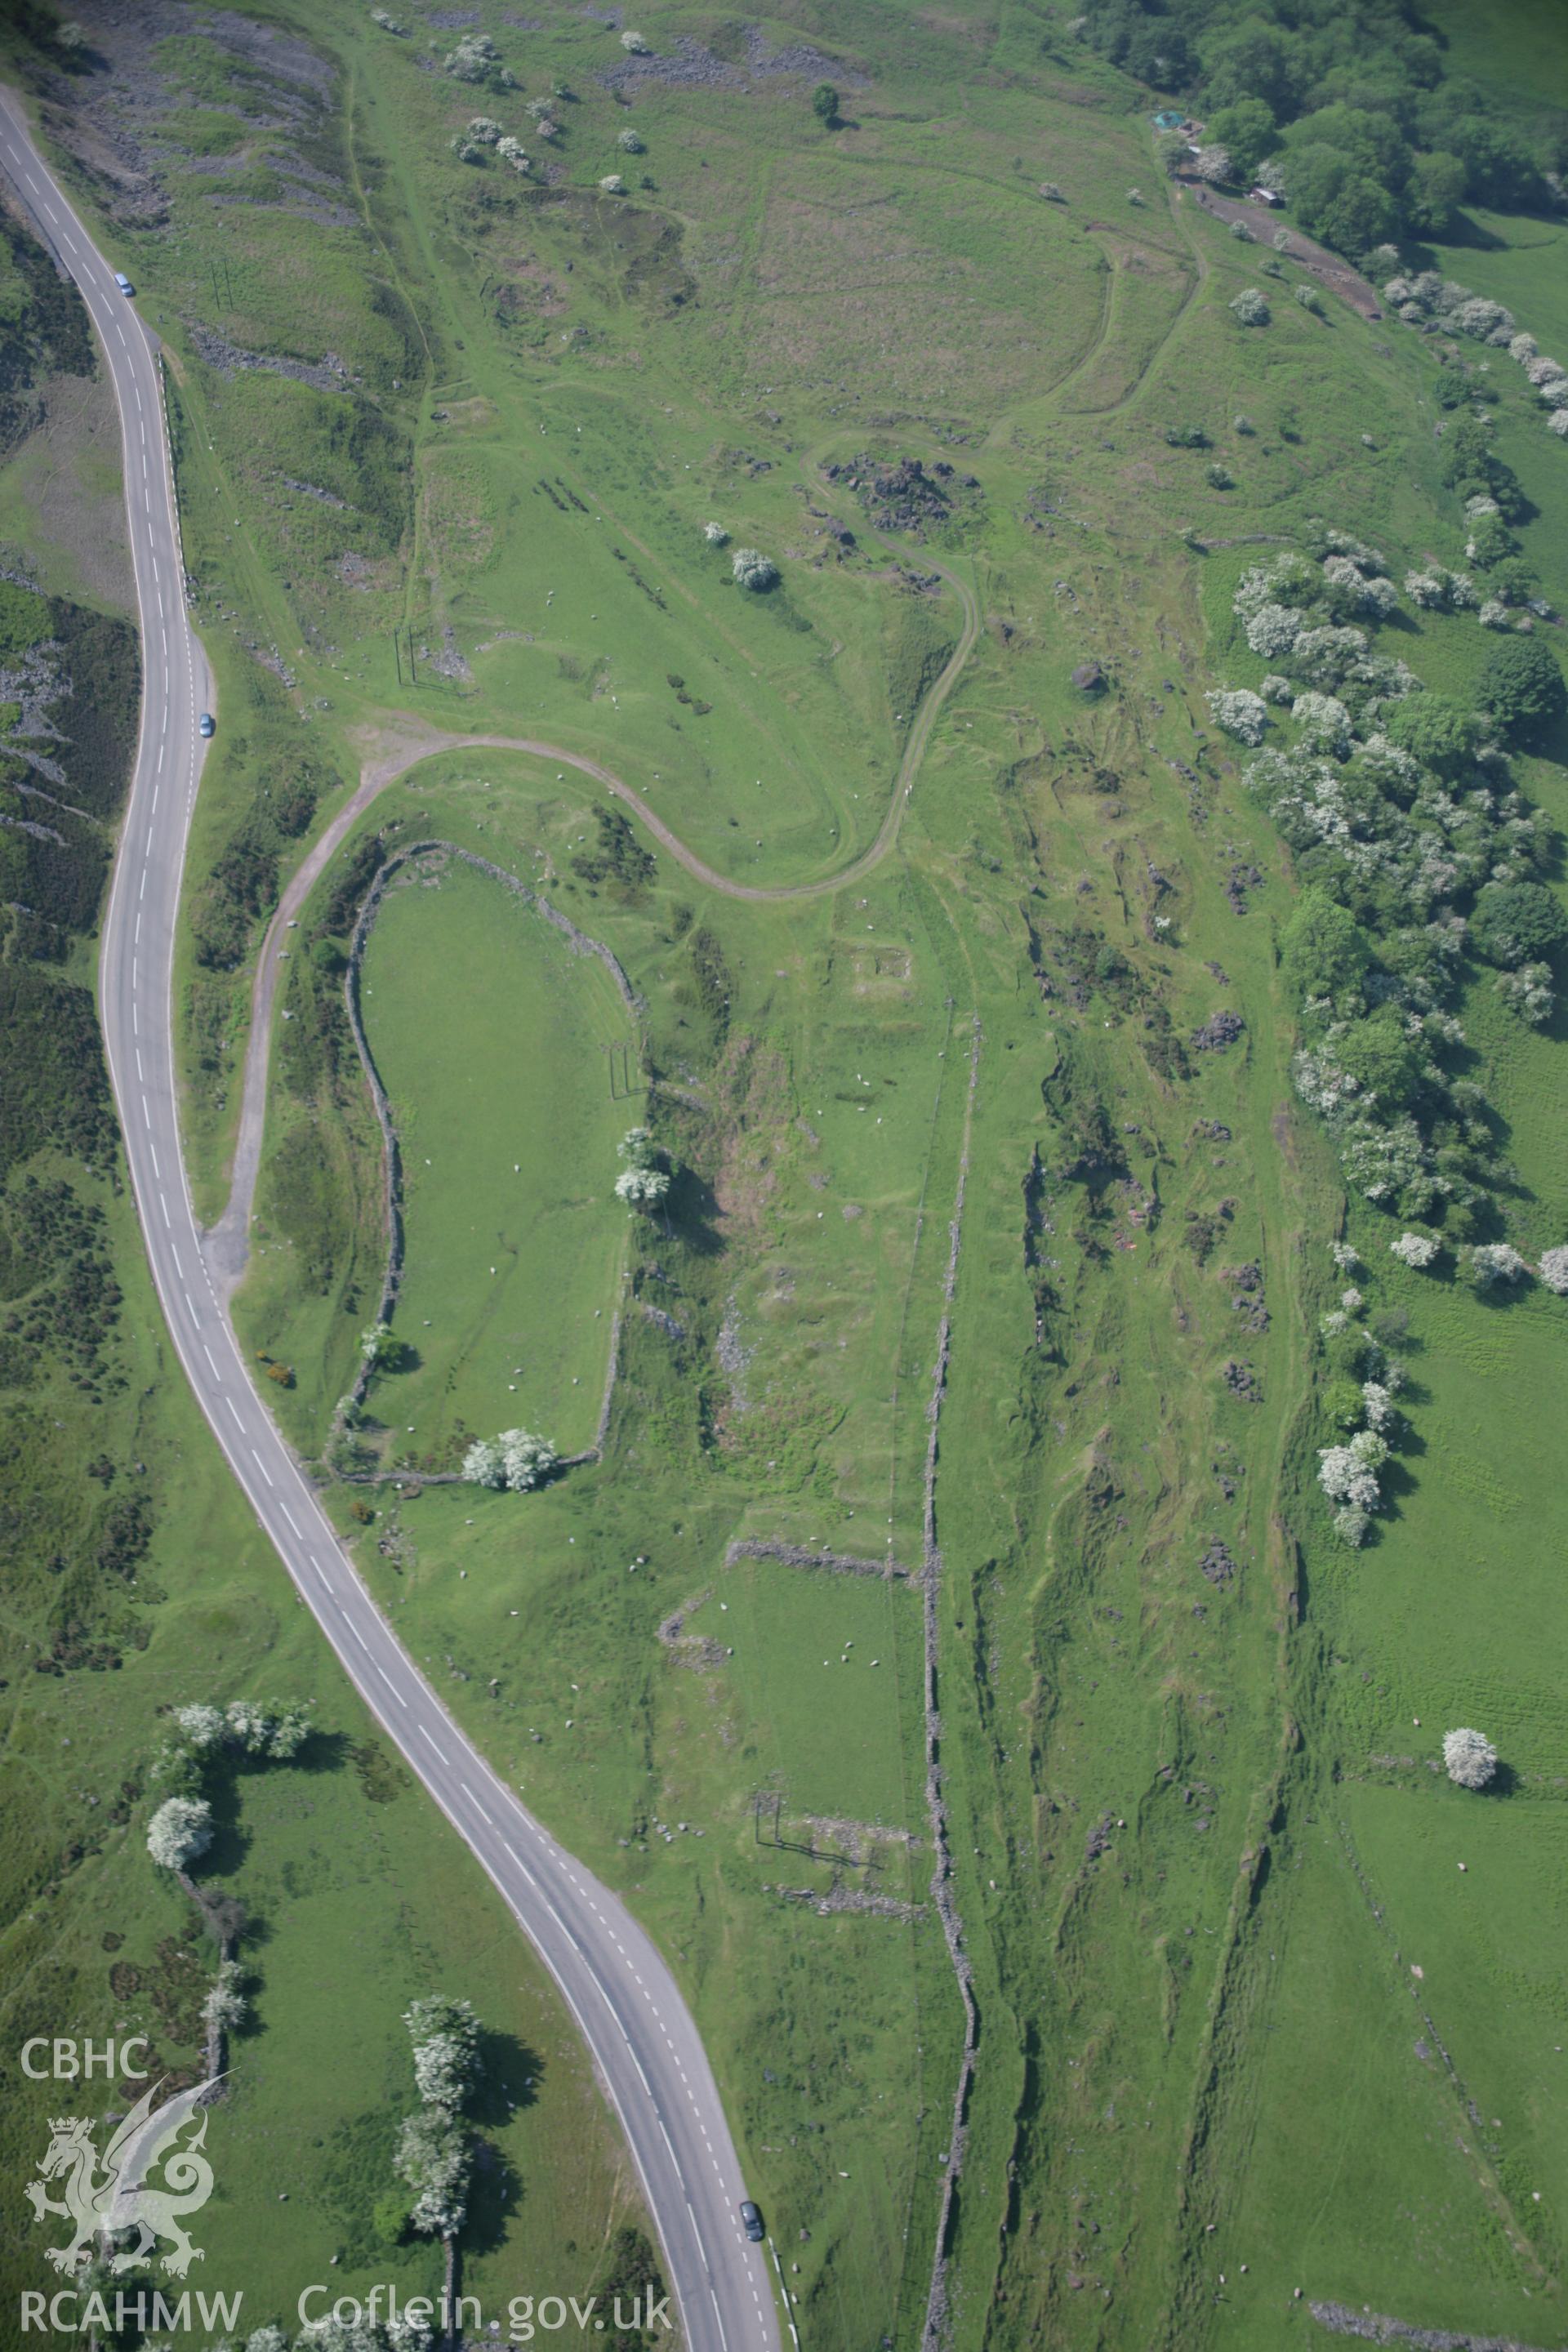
point(487, 1030)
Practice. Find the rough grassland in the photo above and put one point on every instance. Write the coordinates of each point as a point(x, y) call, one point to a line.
point(1193, 1866)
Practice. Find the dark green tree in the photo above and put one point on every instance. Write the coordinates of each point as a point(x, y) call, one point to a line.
point(1522, 686)
point(1441, 734)
point(825, 103)
point(1516, 922)
point(1323, 950)
point(1338, 203)
point(1379, 1055)
point(1438, 185)
point(1248, 129)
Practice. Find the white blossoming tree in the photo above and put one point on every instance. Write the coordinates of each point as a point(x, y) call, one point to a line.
point(1417, 1250)
point(753, 569)
point(1494, 1262)
point(1469, 1757)
point(644, 1181)
point(435, 2160)
point(1377, 1403)
point(1324, 721)
point(482, 1464)
point(1250, 308)
point(1348, 1474)
point(225, 2009)
point(1528, 992)
point(277, 1730)
point(201, 1727)
point(642, 1188)
point(1272, 633)
point(526, 1460)
point(1554, 1269)
point(1240, 713)
point(515, 1461)
point(446, 2038)
point(180, 1832)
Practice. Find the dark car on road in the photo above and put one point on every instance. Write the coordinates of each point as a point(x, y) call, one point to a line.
point(752, 2222)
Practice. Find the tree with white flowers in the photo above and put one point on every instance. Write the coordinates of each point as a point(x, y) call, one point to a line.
point(1528, 992)
point(435, 2152)
point(515, 1461)
point(434, 2160)
point(201, 1727)
point(1324, 721)
point(642, 1188)
point(180, 1832)
point(1469, 1758)
point(225, 2009)
point(482, 1464)
point(753, 569)
point(1415, 1250)
point(1554, 1269)
point(1348, 1474)
point(1377, 1403)
point(332, 2334)
point(1240, 713)
point(526, 1460)
point(644, 1181)
point(1494, 1262)
point(1250, 308)
point(445, 2037)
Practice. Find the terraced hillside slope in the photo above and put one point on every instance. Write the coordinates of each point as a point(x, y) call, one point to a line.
point(1005, 1644)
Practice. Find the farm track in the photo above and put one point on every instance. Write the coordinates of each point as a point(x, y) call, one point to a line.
point(226, 1240)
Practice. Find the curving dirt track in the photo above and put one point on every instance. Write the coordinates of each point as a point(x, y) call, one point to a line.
point(226, 1242)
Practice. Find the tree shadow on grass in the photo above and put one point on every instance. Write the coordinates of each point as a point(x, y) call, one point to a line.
point(691, 1214)
point(231, 1842)
point(509, 2082)
point(495, 2193)
point(322, 1751)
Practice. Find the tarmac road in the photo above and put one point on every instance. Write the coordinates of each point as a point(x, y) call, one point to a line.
point(650, 2056)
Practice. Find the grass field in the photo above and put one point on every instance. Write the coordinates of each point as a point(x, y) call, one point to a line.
point(1197, 1845)
point(137, 1581)
point(525, 1074)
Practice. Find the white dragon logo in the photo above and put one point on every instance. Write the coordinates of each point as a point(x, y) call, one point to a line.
point(120, 2199)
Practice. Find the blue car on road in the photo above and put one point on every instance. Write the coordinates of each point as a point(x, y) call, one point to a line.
point(206, 724)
